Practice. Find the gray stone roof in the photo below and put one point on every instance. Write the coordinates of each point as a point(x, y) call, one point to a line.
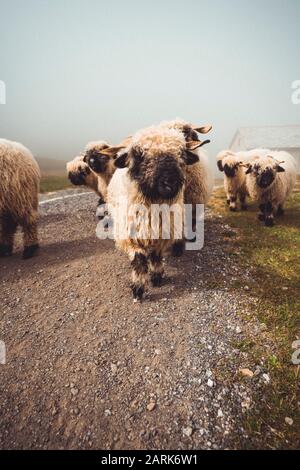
point(272, 137)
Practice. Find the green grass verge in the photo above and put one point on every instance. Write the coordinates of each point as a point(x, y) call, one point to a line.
point(54, 183)
point(274, 255)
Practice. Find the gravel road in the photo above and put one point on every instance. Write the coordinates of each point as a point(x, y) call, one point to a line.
point(87, 368)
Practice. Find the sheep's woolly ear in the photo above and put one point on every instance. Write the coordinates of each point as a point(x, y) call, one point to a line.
point(195, 144)
point(202, 129)
point(220, 165)
point(122, 160)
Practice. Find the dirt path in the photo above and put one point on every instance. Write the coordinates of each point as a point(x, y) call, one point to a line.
point(87, 368)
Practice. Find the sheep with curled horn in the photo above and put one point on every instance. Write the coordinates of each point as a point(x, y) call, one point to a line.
point(270, 180)
point(80, 172)
point(199, 177)
point(231, 164)
point(151, 170)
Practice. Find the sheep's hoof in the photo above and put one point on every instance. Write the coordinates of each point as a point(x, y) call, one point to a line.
point(244, 207)
point(261, 217)
point(156, 279)
point(178, 249)
point(280, 211)
point(29, 251)
point(138, 292)
point(269, 222)
point(228, 202)
point(5, 250)
point(233, 209)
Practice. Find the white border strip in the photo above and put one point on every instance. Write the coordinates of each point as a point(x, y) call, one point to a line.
point(60, 198)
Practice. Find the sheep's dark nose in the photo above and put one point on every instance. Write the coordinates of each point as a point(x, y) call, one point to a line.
point(78, 179)
point(229, 171)
point(265, 179)
point(168, 187)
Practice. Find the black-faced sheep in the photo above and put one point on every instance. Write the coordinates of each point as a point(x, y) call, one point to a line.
point(152, 171)
point(270, 180)
point(19, 188)
point(199, 177)
point(235, 174)
point(81, 174)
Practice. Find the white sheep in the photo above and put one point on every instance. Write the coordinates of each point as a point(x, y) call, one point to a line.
point(199, 177)
point(270, 181)
point(153, 171)
point(235, 174)
point(19, 188)
point(80, 172)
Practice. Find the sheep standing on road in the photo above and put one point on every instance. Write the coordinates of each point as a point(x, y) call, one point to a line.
point(19, 188)
point(235, 174)
point(199, 177)
point(80, 173)
point(152, 171)
point(234, 179)
point(270, 181)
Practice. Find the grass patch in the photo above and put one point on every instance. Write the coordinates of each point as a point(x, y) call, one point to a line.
point(273, 255)
point(54, 183)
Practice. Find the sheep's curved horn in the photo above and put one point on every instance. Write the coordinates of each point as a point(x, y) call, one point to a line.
point(202, 129)
point(195, 144)
point(112, 151)
point(272, 156)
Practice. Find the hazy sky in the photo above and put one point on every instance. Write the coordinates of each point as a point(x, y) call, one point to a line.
point(81, 70)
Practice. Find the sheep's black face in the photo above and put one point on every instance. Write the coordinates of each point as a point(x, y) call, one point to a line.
point(230, 170)
point(78, 178)
point(265, 178)
point(96, 161)
point(264, 174)
point(190, 134)
point(159, 177)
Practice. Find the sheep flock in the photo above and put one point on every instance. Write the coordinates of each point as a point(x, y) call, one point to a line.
point(161, 168)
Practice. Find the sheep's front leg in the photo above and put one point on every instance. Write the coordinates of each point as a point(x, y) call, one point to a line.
point(30, 237)
point(178, 248)
point(261, 215)
point(9, 227)
point(269, 215)
point(139, 265)
point(232, 202)
point(244, 206)
point(156, 268)
point(280, 210)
